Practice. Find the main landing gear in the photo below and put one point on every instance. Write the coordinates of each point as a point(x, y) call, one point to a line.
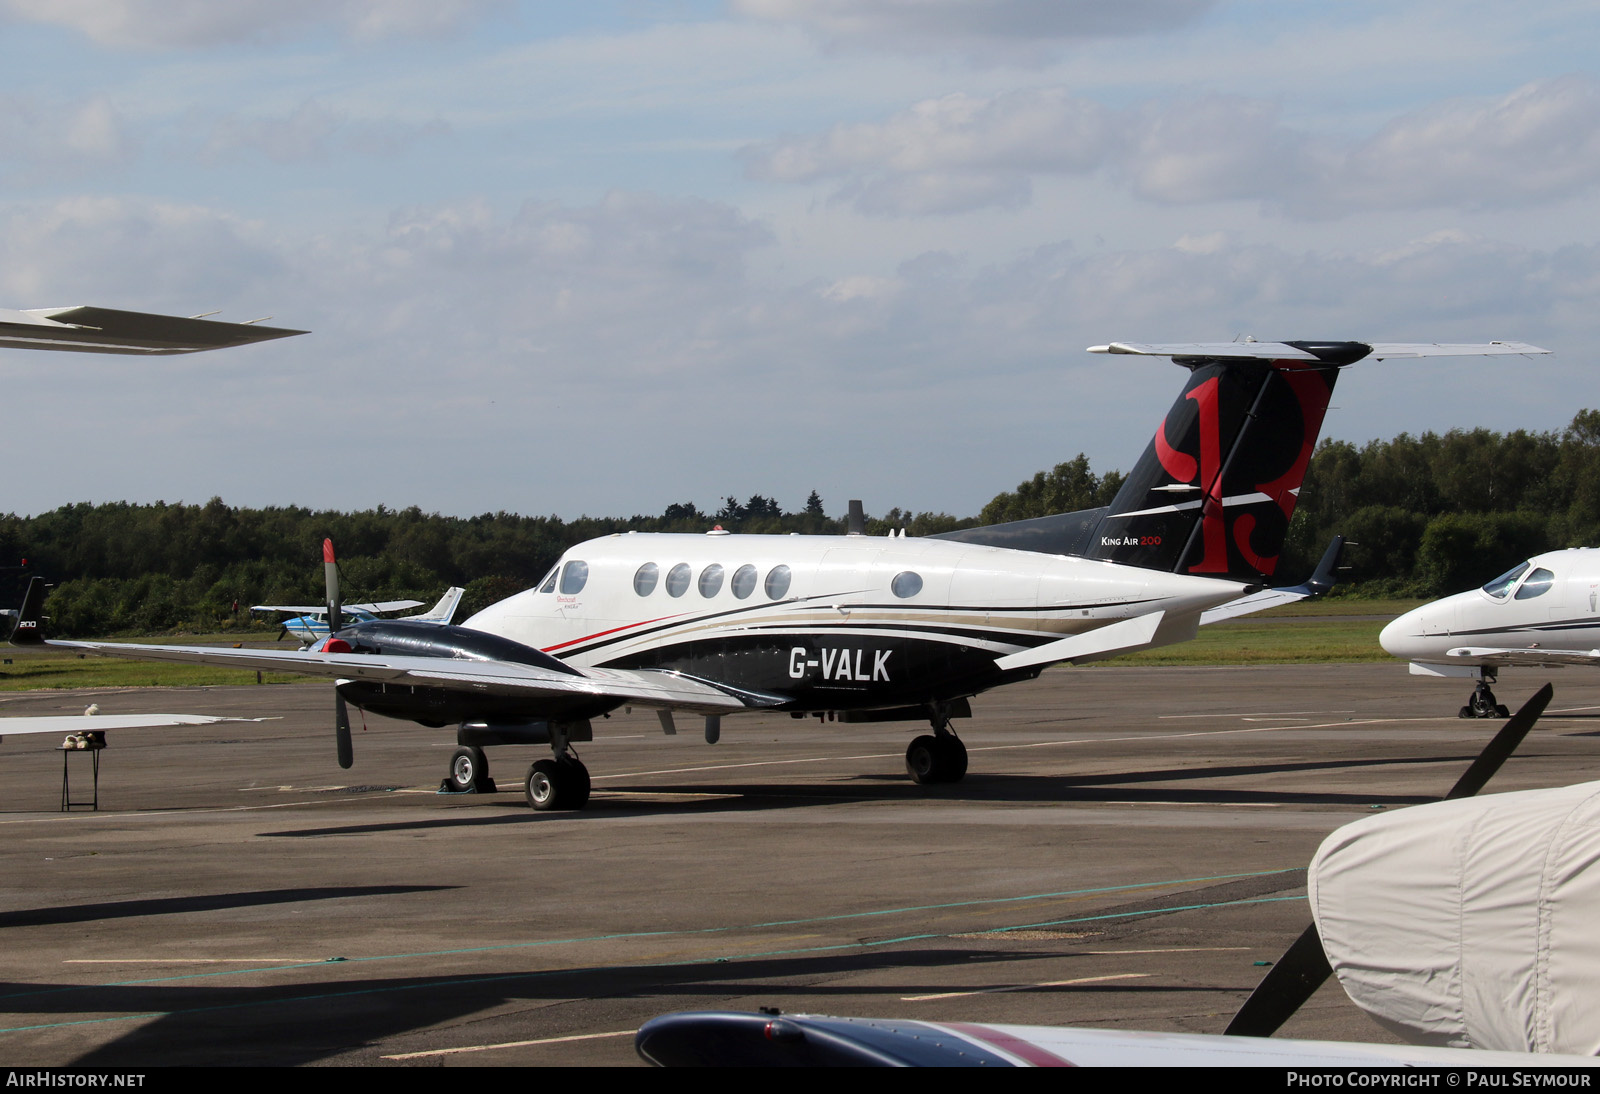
point(558, 783)
point(1482, 704)
point(937, 757)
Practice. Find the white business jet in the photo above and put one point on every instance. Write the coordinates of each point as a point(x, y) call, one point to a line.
point(1539, 612)
point(852, 627)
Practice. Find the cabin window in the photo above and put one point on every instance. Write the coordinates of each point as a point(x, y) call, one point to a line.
point(1538, 584)
point(711, 580)
point(906, 583)
point(645, 577)
point(778, 583)
point(549, 585)
point(574, 575)
point(678, 579)
point(1502, 584)
point(744, 581)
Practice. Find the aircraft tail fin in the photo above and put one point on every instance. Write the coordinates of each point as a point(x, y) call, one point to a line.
point(1213, 493)
point(28, 630)
point(442, 612)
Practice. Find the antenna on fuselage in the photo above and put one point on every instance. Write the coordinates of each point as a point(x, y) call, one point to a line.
point(856, 525)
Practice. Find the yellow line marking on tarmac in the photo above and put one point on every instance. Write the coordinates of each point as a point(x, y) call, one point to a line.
point(189, 960)
point(507, 1044)
point(1027, 987)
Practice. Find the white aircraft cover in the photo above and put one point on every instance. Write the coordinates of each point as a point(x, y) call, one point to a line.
point(1470, 923)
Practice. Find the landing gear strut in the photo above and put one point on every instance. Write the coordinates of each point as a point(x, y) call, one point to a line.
point(1482, 703)
point(937, 757)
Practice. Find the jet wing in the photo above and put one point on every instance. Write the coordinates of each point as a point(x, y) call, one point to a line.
point(99, 723)
point(637, 687)
point(1505, 656)
point(107, 330)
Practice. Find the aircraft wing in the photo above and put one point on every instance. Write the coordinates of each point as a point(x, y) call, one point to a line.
point(297, 609)
point(732, 1039)
point(384, 606)
point(99, 723)
point(107, 330)
point(637, 687)
point(1505, 656)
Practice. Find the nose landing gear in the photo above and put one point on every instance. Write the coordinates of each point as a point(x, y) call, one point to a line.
point(1482, 704)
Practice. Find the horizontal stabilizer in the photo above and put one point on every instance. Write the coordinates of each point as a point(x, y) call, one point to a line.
point(1130, 634)
point(107, 330)
point(1325, 352)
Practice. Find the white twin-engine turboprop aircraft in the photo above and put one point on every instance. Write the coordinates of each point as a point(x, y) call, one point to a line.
point(856, 628)
point(1545, 611)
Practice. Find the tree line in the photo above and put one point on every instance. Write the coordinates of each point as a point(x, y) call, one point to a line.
point(1429, 514)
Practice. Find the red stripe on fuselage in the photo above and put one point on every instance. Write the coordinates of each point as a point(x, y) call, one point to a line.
point(602, 634)
point(1006, 1042)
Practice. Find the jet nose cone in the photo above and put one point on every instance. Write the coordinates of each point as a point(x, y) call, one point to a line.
point(1404, 637)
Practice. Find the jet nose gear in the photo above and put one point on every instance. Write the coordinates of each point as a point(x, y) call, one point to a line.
point(1482, 704)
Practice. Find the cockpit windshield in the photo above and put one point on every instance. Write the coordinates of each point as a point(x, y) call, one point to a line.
point(1538, 584)
point(1502, 584)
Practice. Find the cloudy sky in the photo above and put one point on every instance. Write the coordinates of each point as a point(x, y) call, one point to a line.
point(601, 258)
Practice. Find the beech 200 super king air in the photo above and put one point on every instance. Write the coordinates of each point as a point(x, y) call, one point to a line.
point(851, 627)
point(1540, 612)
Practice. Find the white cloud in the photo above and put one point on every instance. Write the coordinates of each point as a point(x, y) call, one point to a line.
point(313, 132)
point(191, 23)
point(987, 31)
point(1541, 142)
point(56, 139)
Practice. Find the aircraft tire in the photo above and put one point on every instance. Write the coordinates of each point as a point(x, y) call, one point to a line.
point(469, 770)
point(577, 777)
point(954, 760)
point(544, 785)
point(925, 760)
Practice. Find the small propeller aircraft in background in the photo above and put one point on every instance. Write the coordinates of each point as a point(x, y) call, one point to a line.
point(1544, 611)
point(310, 621)
point(851, 627)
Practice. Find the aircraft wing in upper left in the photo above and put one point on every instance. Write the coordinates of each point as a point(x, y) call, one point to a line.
point(86, 329)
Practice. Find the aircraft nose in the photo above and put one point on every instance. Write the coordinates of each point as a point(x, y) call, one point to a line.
point(1404, 637)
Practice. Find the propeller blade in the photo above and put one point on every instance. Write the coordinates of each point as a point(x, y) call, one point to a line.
point(1504, 743)
point(1288, 984)
point(341, 732)
point(330, 573)
point(1304, 967)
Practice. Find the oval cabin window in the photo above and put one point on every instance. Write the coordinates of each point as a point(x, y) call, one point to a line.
point(711, 580)
point(678, 579)
point(778, 583)
point(744, 581)
point(644, 579)
point(906, 583)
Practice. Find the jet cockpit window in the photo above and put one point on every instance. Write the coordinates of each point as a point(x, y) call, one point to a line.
point(1502, 584)
point(549, 585)
point(678, 579)
point(744, 581)
point(644, 579)
point(711, 580)
point(777, 583)
point(574, 575)
point(906, 583)
point(1538, 584)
